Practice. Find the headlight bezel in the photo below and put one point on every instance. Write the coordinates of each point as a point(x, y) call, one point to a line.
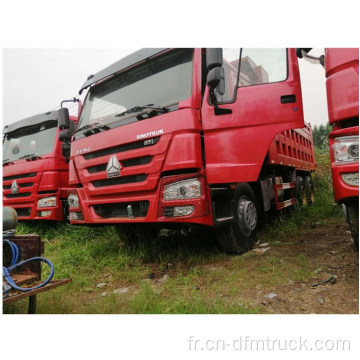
point(50, 201)
point(73, 201)
point(187, 189)
point(351, 179)
point(341, 147)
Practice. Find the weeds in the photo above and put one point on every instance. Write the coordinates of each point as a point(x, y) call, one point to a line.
point(201, 278)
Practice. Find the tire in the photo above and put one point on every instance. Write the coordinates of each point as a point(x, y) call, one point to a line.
point(136, 233)
point(240, 236)
point(65, 210)
point(300, 191)
point(309, 190)
point(352, 210)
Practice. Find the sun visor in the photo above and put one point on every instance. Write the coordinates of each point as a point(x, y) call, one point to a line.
point(33, 120)
point(120, 65)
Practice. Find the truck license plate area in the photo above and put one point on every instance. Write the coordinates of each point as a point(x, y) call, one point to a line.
point(120, 210)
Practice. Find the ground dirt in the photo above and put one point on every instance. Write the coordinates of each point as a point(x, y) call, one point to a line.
point(280, 280)
point(193, 275)
point(329, 251)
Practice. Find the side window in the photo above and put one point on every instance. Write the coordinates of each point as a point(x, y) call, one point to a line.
point(262, 66)
point(257, 66)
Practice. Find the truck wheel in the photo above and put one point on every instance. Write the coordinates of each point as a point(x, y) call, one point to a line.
point(309, 190)
point(352, 210)
point(136, 233)
point(300, 191)
point(240, 236)
point(65, 209)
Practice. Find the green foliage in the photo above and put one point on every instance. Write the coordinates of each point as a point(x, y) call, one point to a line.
point(201, 278)
point(321, 136)
point(322, 209)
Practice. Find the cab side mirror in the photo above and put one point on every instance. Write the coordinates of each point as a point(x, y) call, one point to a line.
point(65, 137)
point(216, 80)
point(299, 52)
point(65, 149)
point(214, 58)
point(63, 118)
point(216, 77)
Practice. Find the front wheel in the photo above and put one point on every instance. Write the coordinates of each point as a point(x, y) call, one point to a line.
point(240, 236)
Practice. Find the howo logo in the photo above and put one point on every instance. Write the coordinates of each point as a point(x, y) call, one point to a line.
point(14, 187)
point(113, 167)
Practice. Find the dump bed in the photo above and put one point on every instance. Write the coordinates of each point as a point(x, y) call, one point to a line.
point(295, 148)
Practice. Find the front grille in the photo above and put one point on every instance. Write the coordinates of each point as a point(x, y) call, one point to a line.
point(138, 209)
point(19, 176)
point(29, 184)
point(12, 196)
point(23, 211)
point(120, 180)
point(126, 163)
point(47, 192)
point(122, 148)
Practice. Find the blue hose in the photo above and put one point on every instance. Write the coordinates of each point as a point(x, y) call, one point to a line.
point(14, 251)
point(14, 264)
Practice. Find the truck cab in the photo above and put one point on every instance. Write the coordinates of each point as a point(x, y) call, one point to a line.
point(342, 88)
point(35, 173)
point(183, 137)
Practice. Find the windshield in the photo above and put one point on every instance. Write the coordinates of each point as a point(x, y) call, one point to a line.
point(161, 82)
point(34, 140)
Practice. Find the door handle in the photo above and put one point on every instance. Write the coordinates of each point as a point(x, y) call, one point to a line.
point(286, 99)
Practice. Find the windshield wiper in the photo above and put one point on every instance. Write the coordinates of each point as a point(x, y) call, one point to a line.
point(7, 161)
point(91, 127)
point(139, 108)
point(33, 156)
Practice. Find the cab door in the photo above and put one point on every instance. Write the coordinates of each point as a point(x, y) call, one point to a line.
point(262, 93)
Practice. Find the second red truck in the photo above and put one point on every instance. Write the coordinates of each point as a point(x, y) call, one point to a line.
point(35, 174)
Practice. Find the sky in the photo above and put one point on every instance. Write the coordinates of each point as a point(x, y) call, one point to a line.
point(37, 80)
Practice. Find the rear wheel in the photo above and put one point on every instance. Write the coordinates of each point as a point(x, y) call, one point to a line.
point(300, 191)
point(309, 190)
point(240, 236)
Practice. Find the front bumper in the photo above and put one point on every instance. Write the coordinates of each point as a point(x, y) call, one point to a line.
point(27, 209)
point(141, 207)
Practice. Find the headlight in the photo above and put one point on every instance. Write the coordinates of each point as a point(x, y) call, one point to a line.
point(346, 149)
point(47, 202)
point(186, 189)
point(73, 201)
point(351, 179)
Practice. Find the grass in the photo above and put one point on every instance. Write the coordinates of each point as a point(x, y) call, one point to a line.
point(200, 277)
point(323, 209)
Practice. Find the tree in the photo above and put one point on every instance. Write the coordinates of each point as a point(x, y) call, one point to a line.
point(321, 135)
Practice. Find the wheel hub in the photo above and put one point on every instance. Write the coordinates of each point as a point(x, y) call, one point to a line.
point(247, 214)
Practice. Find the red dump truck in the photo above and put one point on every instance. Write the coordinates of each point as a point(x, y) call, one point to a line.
point(187, 137)
point(35, 174)
point(342, 88)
